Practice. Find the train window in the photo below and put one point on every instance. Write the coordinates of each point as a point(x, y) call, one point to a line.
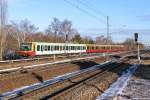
point(108, 48)
point(99, 48)
point(64, 47)
point(93, 48)
point(88, 48)
point(78, 47)
point(56, 48)
point(26, 46)
point(75, 48)
point(81, 47)
point(103, 48)
point(49, 48)
point(42, 47)
point(38, 47)
point(72, 47)
point(46, 48)
point(60, 48)
point(67, 47)
point(96, 47)
point(52, 48)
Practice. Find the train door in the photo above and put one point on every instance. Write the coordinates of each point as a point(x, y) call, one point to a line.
point(42, 49)
point(33, 47)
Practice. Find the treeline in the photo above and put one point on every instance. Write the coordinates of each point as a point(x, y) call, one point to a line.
point(12, 35)
point(15, 33)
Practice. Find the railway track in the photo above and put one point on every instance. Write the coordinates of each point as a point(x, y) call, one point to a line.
point(11, 81)
point(94, 83)
point(26, 62)
point(23, 64)
point(14, 64)
point(41, 89)
point(59, 86)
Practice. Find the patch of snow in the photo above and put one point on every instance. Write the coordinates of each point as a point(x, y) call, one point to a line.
point(118, 87)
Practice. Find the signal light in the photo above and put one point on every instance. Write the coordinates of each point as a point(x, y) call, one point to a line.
point(136, 37)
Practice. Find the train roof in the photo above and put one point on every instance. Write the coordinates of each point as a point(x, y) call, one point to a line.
point(59, 43)
point(115, 45)
point(104, 45)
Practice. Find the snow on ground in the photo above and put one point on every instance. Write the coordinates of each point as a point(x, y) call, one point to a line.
point(138, 89)
point(117, 88)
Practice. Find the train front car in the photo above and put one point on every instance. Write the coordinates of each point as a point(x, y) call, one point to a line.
point(26, 50)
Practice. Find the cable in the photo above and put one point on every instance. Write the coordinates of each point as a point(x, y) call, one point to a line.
point(85, 3)
point(88, 5)
point(84, 11)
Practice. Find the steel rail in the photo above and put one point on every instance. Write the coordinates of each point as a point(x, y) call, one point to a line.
point(37, 86)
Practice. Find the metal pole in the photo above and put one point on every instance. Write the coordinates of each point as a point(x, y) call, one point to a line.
point(66, 42)
point(107, 30)
point(139, 53)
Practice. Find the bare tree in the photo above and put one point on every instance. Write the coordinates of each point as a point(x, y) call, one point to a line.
point(20, 31)
point(100, 40)
point(60, 30)
point(88, 40)
point(54, 28)
point(129, 44)
point(3, 21)
point(77, 39)
point(67, 28)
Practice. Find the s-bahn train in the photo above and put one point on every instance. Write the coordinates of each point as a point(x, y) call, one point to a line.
point(33, 49)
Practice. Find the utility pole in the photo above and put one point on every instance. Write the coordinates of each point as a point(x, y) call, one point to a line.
point(107, 41)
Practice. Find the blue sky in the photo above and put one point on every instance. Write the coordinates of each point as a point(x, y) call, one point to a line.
point(126, 16)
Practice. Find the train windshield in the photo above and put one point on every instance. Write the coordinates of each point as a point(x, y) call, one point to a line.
point(26, 46)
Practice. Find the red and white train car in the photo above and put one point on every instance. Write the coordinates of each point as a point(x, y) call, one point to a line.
point(33, 49)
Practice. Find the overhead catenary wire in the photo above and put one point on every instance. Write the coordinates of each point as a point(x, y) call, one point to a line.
point(85, 11)
point(89, 6)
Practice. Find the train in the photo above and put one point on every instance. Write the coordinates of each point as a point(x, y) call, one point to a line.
point(33, 49)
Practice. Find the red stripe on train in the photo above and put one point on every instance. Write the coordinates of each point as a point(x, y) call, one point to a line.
point(97, 51)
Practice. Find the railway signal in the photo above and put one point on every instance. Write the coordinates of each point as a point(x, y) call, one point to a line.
point(136, 37)
point(138, 48)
